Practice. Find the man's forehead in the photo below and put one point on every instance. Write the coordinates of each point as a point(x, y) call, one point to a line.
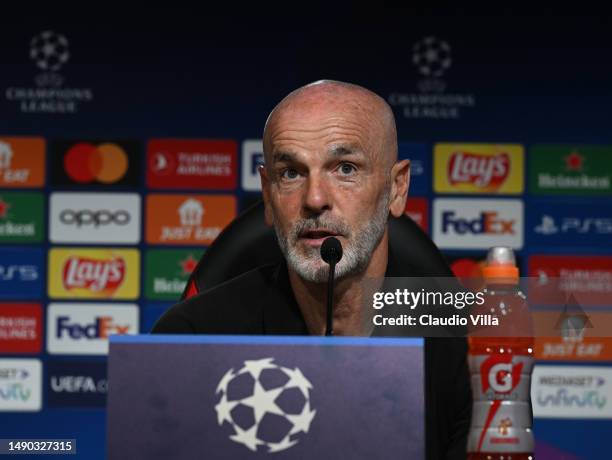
point(325, 123)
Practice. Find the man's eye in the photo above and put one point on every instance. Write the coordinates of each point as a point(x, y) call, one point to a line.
point(347, 169)
point(289, 174)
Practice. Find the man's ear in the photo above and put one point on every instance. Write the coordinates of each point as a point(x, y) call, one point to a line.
point(265, 190)
point(400, 181)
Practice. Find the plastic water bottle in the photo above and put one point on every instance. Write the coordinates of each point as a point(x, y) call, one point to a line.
point(500, 367)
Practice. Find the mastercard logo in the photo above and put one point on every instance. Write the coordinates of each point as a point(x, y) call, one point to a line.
point(106, 163)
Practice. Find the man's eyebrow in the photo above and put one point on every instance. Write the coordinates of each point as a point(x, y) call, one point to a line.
point(335, 151)
point(278, 157)
point(341, 150)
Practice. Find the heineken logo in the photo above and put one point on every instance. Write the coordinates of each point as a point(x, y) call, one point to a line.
point(167, 272)
point(4, 207)
point(559, 170)
point(21, 217)
point(574, 161)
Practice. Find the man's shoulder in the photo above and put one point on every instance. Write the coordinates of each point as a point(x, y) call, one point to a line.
point(232, 307)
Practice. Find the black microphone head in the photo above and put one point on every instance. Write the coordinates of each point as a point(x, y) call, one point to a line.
point(331, 250)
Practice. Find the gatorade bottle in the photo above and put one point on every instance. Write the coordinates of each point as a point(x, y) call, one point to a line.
point(500, 367)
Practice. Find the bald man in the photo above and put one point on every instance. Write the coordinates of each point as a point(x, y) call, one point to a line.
point(331, 169)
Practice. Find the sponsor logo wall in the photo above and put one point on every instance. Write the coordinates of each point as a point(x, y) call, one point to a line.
point(99, 236)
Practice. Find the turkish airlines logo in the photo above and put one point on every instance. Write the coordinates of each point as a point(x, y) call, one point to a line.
point(483, 171)
point(93, 274)
point(191, 164)
point(499, 374)
point(162, 164)
point(20, 328)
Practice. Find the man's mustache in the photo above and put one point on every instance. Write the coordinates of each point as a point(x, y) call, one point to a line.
point(302, 226)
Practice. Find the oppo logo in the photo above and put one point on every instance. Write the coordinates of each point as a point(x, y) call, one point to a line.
point(95, 218)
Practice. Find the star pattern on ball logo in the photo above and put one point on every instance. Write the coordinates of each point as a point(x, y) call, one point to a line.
point(263, 400)
point(49, 50)
point(432, 56)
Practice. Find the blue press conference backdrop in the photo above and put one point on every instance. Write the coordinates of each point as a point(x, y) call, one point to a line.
point(165, 113)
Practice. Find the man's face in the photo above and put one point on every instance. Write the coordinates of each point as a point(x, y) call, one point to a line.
point(326, 176)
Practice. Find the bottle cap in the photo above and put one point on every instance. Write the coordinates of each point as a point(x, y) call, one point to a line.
point(501, 266)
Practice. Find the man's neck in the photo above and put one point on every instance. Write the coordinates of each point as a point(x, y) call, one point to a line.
point(351, 313)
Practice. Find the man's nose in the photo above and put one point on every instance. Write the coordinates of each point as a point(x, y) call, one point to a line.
point(317, 197)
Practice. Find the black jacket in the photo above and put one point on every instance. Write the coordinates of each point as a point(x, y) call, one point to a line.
point(261, 302)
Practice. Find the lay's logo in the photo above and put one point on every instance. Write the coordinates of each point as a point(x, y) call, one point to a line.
point(478, 168)
point(94, 273)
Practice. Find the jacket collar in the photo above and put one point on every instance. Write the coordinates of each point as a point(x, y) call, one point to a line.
point(281, 313)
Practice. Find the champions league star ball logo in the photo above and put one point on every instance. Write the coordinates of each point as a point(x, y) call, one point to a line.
point(431, 56)
point(266, 405)
point(49, 50)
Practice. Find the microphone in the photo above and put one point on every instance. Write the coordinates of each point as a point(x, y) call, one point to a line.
point(331, 253)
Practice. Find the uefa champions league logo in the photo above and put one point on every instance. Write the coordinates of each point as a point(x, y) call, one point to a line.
point(49, 50)
point(266, 405)
point(431, 56)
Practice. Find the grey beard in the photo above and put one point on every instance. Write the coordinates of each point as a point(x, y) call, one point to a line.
point(356, 255)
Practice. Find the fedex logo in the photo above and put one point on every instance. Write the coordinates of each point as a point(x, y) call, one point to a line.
point(488, 222)
point(477, 223)
point(83, 329)
point(100, 328)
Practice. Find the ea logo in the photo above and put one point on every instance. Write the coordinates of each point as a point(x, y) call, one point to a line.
point(265, 405)
point(85, 163)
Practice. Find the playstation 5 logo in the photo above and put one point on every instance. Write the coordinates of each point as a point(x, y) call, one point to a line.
point(547, 226)
point(577, 225)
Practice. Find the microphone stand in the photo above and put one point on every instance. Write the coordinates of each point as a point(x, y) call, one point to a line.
point(329, 329)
